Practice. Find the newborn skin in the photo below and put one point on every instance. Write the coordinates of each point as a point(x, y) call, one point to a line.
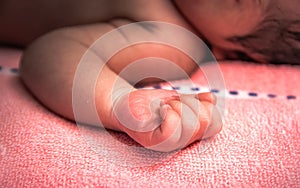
point(179, 119)
point(164, 120)
point(58, 34)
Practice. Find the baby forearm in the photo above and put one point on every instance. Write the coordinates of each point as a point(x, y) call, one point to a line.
point(48, 68)
point(159, 119)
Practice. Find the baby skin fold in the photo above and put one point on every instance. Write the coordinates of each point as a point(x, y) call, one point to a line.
point(160, 120)
point(164, 120)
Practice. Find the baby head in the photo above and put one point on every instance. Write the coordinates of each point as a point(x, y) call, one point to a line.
point(259, 30)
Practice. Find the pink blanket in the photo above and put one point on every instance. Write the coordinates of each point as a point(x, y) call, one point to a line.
point(259, 145)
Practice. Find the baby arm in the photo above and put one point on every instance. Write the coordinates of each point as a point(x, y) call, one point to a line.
point(49, 65)
point(48, 68)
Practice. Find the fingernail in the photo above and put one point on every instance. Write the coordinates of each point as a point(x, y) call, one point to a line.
point(164, 110)
point(162, 103)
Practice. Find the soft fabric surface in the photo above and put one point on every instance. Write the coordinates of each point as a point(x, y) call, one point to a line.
point(259, 145)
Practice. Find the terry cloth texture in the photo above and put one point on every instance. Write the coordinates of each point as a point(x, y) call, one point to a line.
point(259, 145)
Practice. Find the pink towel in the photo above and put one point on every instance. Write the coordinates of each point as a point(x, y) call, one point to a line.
point(259, 145)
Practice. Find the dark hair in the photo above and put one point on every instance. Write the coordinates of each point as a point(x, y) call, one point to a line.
point(277, 40)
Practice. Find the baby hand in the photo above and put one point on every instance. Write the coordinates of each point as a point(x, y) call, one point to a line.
point(164, 120)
